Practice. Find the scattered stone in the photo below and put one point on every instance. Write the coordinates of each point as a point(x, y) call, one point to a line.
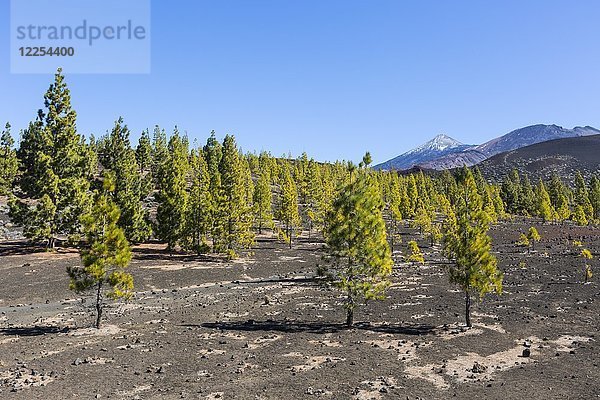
point(478, 368)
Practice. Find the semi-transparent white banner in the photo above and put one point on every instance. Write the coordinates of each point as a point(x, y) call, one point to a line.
point(81, 36)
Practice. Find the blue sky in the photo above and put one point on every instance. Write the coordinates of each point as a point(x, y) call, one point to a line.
point(336, 78)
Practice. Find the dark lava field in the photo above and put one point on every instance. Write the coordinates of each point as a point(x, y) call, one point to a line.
point(263, 327)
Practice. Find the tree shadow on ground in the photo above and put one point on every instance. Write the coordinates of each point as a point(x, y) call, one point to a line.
point(300, 280)
point(313, 327)
point(24, 248)
point(33, 330)
point(151, 254)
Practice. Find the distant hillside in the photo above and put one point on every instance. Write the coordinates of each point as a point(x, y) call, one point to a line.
point(563, 156)
point(471, 155)
point(437, 147)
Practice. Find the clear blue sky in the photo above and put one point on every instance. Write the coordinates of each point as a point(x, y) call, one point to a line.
point(335, 78)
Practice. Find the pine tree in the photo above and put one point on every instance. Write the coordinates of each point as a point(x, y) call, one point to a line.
point(356, 241)
point(595, 197)
point(198, 219)
point(582, 197)
point(325, 202)
point(9, 165)
point(394, 204)
point(314, 194)
point(497, 201)
point(559, 198)
point(160, 156)
point(237, 232)
point(544, 205)
point(212, 154)
point(415, 255)
point(579, 216)
point(425, 220)
point(107, 252)
point(469, 246)
point(587, 255)
point(143, 152)
point(172, 193)
point(511, 192)
point(533, 236)
point(287, 208)
point(413, 196)
point(55, 170)
point(523, 240)
point(263, 199)
point(118, 156)
point(527, 197)
point(301, 177)
point(488, 204)
point(143, 156)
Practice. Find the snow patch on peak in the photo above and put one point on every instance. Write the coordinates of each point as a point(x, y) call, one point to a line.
point(439, 143)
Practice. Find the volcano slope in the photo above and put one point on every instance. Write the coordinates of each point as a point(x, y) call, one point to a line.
point(261, 327)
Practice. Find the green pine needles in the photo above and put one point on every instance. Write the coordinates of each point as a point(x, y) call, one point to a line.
point(356, 241)
point(468, 245)
point(106, 254)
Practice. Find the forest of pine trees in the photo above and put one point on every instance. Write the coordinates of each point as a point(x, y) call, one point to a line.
point(214, 198)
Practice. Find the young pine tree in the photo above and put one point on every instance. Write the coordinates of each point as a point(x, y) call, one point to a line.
point(9, 165)
point(533, 236)
point(523, 241)
point(415, 255)
point(106, 254)
point(356, 241)
point(468, 245)
point(587, 255)
point(54, 170)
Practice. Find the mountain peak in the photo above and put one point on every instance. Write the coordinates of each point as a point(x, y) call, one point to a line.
point(438, 146)
point(439, 143)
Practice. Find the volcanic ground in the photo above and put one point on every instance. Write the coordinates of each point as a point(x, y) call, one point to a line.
point(263, 327)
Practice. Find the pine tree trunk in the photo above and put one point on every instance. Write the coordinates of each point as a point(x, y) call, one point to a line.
point(350, 309)
point(349, 317)
point(468, 309)
point(98, 305)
